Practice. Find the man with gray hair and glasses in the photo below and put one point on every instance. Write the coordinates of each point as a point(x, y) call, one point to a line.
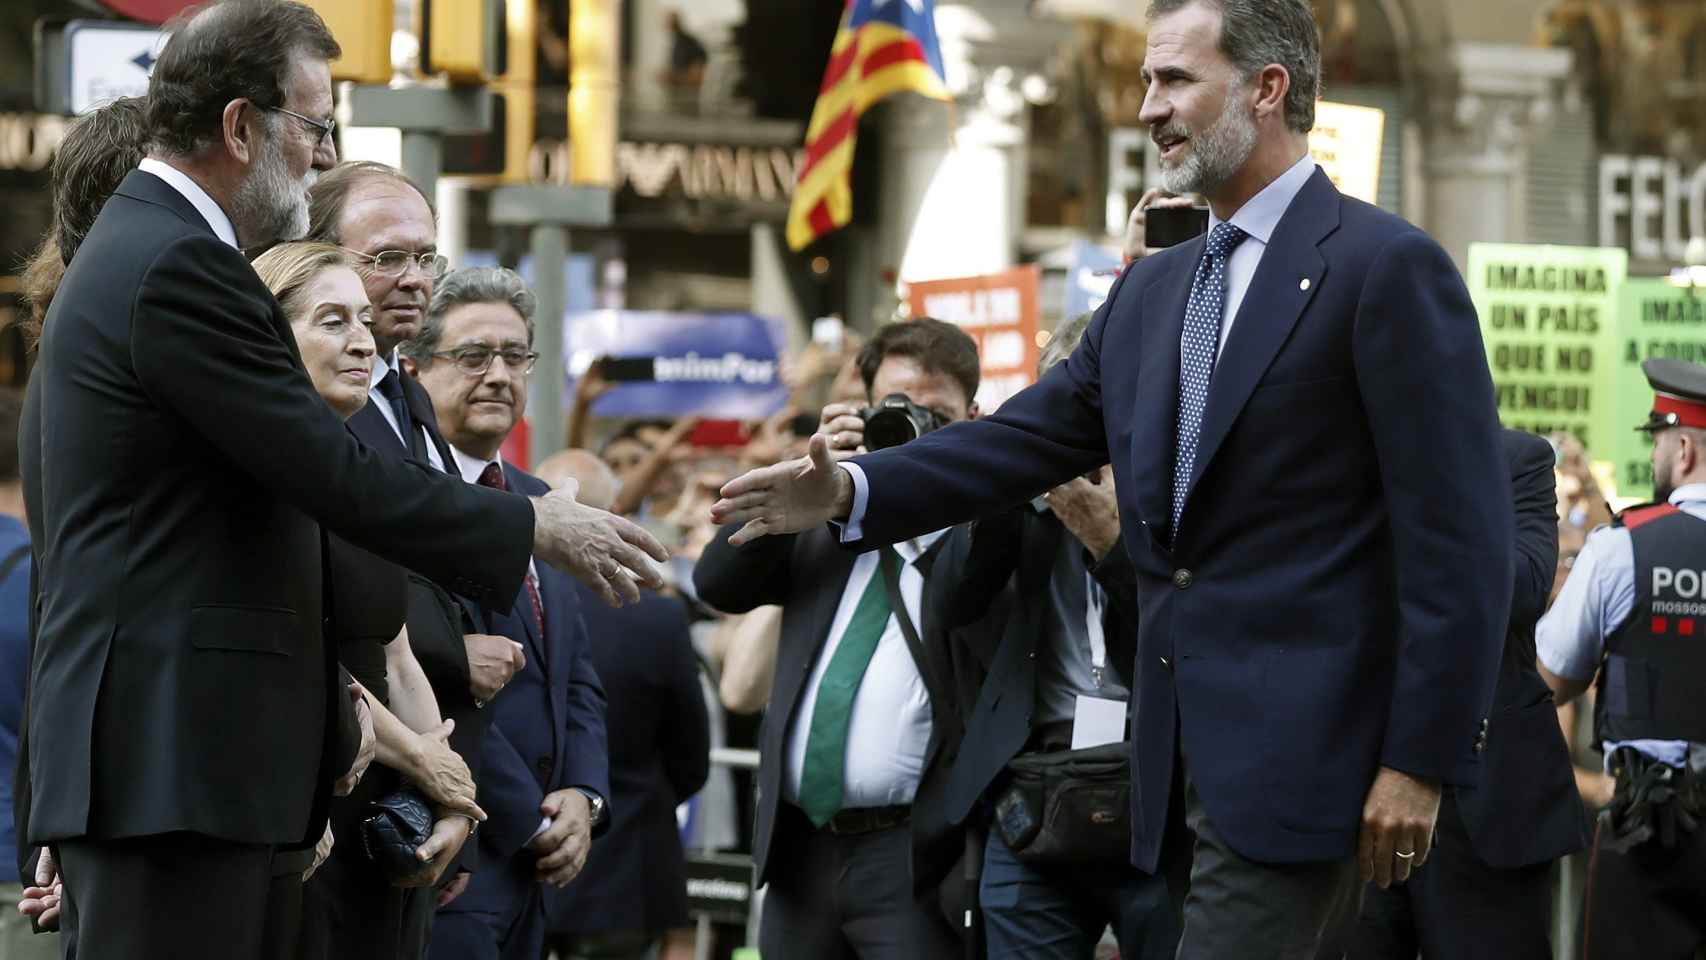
point(183, 705)
point(545, 778)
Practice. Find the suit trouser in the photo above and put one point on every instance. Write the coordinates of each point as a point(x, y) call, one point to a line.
point(177, 896)
point(501, 916)
point(1647, 903)
point(1241, 908)
point(844, 897)
point(1059, 913)
point(1456, 906)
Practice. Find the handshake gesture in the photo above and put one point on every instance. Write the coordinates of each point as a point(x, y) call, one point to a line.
point(791, 496)
point(608, 553)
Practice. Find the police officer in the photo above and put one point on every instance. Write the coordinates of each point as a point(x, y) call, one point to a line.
point(1633, 611)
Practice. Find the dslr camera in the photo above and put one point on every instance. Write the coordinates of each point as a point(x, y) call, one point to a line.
point(895, 420)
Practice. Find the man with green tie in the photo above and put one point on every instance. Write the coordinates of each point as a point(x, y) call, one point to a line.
point(849, 835)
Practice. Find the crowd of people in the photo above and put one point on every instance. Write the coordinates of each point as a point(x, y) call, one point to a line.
point(1213, 645)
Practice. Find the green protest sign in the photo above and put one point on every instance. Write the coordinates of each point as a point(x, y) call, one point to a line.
point(1654, 319)
point(1547, 320)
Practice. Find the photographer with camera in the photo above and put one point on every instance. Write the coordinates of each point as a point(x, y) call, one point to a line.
point(863, 717)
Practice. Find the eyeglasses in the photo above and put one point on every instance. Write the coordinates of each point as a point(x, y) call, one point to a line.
point(475, 359)
point(324, 128)
point(393, 263)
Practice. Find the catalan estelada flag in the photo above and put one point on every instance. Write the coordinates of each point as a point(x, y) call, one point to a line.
point(883, 47)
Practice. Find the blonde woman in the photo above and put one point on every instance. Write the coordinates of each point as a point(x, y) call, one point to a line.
point(351, 909)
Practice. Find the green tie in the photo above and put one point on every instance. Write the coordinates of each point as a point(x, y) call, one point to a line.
point(826, 741)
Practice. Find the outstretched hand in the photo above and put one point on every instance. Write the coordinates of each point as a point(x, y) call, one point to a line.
point(791, 496)
point(606, 552)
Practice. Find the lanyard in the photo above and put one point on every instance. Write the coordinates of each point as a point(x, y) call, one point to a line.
point(1095, 601)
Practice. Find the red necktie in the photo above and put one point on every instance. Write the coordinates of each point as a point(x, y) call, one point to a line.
point(493, 476)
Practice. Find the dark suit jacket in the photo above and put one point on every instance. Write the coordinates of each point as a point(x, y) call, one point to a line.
point(1525, 809)
point(179, 466)
point(547, 725)
point(1014, 554)
point(437, 618)
point(806, 574)
point(1337, 594)
point(660, 754)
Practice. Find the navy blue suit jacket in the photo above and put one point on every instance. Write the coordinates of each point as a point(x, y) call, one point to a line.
point(1336, 597)
point(547, 728)
point(660, 754)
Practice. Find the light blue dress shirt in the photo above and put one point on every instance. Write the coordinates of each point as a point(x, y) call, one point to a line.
point(1597, 599)
point(1258, 217)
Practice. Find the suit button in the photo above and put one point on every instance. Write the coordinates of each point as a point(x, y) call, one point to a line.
point(1166, 663)
point(544, 766)
point(1182, 579)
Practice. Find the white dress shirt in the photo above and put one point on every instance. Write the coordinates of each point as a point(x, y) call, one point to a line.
point(381, 367)
point(1257, 217)
point(471, 467)
point(198, 198)
point(890, 725)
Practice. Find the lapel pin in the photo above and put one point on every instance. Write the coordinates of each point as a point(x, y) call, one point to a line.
point(1303, 284)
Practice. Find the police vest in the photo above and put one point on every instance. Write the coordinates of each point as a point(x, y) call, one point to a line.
point(1653, 684)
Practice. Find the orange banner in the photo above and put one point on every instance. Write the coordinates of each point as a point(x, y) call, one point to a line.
point(1000, 312)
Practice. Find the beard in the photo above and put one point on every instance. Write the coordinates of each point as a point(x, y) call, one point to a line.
point(1662, 485)
point(270, 207)
point(1216, 154)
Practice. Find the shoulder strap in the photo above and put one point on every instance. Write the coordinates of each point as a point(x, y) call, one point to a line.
point(12, 560)
point(889, 563)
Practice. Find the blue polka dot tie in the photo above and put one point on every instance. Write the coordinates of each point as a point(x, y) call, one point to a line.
point(1201, 342)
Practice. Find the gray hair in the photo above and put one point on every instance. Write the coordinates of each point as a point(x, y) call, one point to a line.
point(469, 285)
point(1063, 341)
point(1255, 33)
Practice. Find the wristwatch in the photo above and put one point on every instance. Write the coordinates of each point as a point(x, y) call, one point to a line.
point(597, 802)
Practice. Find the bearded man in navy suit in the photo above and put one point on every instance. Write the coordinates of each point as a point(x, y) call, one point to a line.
point(1302, 430)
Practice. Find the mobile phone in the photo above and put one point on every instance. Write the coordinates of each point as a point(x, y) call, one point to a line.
point(719, 433)
point(1167, 226)
point(827, 332)
point(627, 369)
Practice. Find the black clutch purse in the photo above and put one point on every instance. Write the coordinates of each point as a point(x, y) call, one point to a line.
point(393, 828)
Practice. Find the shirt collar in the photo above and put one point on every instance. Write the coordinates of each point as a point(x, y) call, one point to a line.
point(1261, 213)
point(1694, 492)
point(471, 466)
point(382, 366)
point(198, 198)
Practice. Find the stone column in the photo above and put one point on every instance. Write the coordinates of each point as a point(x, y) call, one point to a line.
point(1483, 101)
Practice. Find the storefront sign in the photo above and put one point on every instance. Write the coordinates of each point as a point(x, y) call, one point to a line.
point(1650, 206)
point(1346, 143)
point(1000, 313)
point(1654, 319)
point(1547, 318)
point(699, 171)
point(714, 365)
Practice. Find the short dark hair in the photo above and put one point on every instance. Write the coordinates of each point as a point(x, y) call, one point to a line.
point(223, 51)
point(938, 346)
point(11, 408)
point(326, 198)
point(98, 152)
point(1255, 33)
